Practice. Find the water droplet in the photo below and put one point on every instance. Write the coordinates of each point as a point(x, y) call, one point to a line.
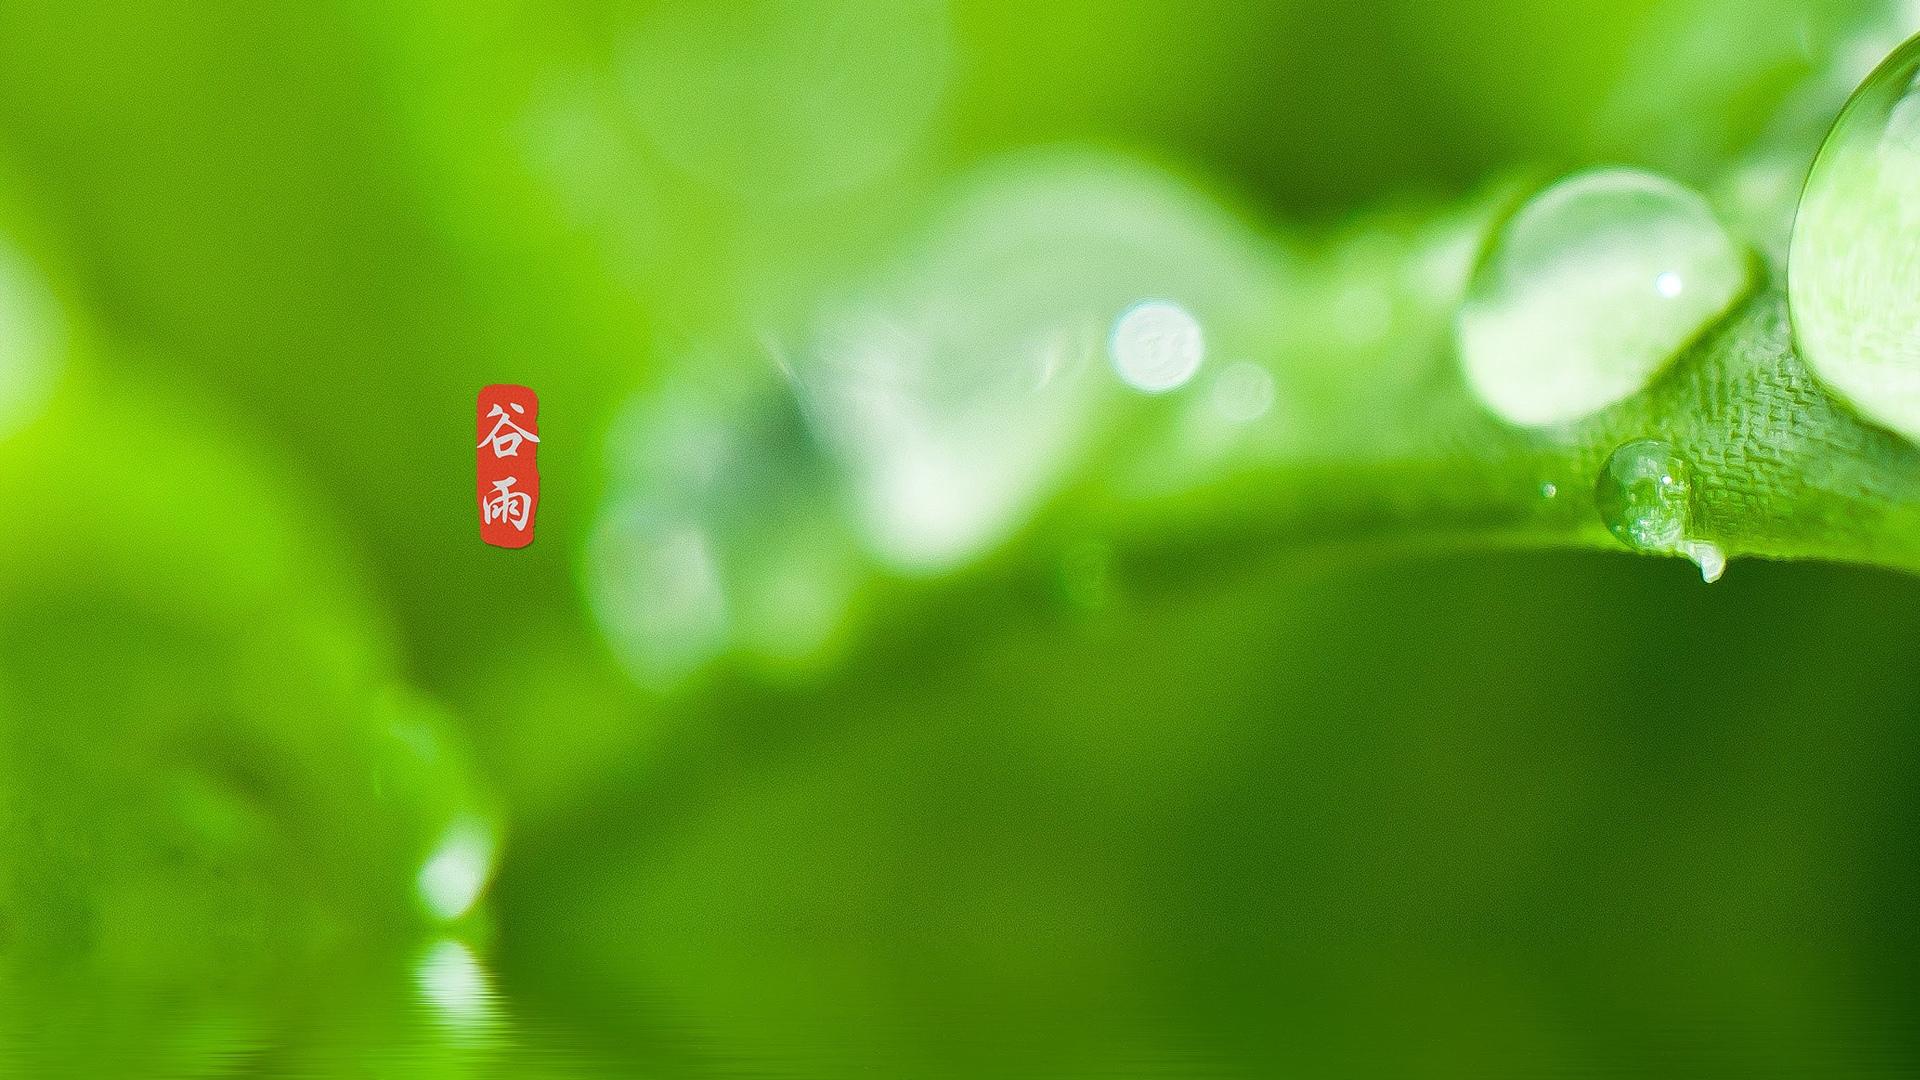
point(425, 768)
point(961, 383)
point(720, 534)
point(1591, 290)
point(1708, 557)
point(454, 876)
point(1156, 346)
point(1549, 490)
point(1853, 283)
point(1645, 497)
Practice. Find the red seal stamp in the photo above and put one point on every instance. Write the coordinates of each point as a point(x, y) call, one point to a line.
point(505, 464)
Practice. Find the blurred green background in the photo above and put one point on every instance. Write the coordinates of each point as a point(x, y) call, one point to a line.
point(864, 707)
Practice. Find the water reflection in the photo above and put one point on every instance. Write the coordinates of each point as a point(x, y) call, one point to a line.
point(1003, 854)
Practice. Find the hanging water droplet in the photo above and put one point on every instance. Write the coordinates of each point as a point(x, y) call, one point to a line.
point(1591, 290)
point(1645, 497)
point(1853, 283)
point(459, 838)
point(1708, 557)
point(1549, 490)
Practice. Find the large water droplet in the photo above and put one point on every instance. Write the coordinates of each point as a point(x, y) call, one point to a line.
point(1853, 278)
point(1592, 289)
point(964, 381)
point(1645, 496)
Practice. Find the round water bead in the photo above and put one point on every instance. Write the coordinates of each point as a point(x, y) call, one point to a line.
point(1853, 273)
point(1592, 289)
point(1645, 496)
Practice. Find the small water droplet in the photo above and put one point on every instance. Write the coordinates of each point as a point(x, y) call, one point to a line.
point(1853, 284)
point(1560, 320)
point(1549, 490)
point(1708, 557)
point(1645, 497)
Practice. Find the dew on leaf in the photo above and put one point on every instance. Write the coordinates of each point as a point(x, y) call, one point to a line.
point(1590, 291)
point(961, 382)
point(1853, 278)
point(1645, 496)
